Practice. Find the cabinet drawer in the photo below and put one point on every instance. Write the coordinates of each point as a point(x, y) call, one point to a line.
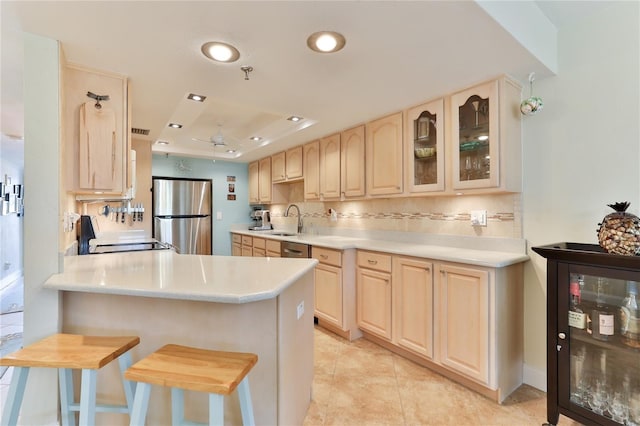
point(327, 256)
point(259, 243)
point(247, 241)
point(372, 260)
point(236, 238)
point(258, 252)
point(273, 245)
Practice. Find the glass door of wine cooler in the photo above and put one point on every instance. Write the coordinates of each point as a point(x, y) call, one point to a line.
point(599, 344)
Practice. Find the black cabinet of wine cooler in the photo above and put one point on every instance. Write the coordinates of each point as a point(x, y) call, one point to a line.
point(593, 381)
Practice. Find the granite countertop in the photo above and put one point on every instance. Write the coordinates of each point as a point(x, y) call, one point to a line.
point(165, 274)
point(480, 251)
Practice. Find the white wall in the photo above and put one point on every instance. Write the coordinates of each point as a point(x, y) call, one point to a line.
point(41, 226)
point(581, 152)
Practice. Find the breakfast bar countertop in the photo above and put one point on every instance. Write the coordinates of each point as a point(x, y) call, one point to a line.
point(166, 274)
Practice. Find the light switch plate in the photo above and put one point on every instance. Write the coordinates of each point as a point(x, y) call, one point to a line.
point(218, 215)
point(478, 218)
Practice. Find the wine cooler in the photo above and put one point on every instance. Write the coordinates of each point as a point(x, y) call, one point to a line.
point(593, 335)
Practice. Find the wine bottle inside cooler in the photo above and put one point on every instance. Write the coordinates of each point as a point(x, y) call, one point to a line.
point(577, 317)
point(630, 317)
point(602, 316)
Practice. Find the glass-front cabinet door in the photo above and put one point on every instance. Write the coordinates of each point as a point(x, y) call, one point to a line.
point(599, 339)
point(424, 129)
point(475, 135)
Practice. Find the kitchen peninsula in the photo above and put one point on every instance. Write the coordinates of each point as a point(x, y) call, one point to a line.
point(264, 306)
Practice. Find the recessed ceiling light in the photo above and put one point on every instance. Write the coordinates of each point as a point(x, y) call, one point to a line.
point(221, 52)
point(175, 125)
point(326, 41)
point(255, 138)
point(294, 118)
point(162, 142)
point(198, 98)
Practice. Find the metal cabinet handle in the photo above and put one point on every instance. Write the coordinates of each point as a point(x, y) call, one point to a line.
point(372, 262)
point(324, 256)
point(562, 336)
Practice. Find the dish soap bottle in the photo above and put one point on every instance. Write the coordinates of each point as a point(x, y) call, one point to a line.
point(630, 317)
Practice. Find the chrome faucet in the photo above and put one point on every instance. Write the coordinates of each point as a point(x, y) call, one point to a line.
point(286, 214)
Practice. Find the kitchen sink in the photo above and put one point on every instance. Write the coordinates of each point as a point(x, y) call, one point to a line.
point(282, 234)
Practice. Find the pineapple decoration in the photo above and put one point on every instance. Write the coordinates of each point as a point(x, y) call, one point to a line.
point(619, 232)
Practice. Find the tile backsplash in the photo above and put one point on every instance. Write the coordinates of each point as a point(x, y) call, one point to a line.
point(433, 215)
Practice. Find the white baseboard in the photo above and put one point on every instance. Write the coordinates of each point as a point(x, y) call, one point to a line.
point(534, 377)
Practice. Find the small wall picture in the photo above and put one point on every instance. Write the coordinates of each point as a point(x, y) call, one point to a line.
point(231, 178)
point(232, 187)
point(231, 197)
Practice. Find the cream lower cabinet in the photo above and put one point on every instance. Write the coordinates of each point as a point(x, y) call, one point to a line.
point(413, 316)
point(335, 291)
point(273, 248)
point(247, 246)
point(236, 245)
point(464, 320)
point(373, 287)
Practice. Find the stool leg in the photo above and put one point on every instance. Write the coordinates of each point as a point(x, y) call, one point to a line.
point(14, 397)
point(216, 409)
point(65, 377)
point(88, 397)
point(177, 406)
point(129, 387)
point(245, 402)
point(140, 404)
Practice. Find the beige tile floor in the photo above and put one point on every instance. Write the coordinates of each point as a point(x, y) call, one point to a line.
point(361, 383)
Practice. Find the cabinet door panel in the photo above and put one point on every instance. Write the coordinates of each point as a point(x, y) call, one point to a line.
point(254, 182)
point(373, 311)
point(264, 185)
point(294, 163)
point(475, 137)
point(464, 320)
point(352, 155)
point(328, 293)
point(413, 305)
point(384, 155)
point(311, 153)
point(278, 173)
point(330, 167)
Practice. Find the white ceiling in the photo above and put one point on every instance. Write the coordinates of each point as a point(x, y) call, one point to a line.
point(397, 54)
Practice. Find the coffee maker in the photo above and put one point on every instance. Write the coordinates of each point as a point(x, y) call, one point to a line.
point(262, 220)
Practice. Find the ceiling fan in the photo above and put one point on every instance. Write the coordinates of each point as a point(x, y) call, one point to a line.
point(216, 140)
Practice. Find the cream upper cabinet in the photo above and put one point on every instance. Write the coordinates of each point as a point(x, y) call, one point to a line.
point(311, 156)
point(330, 167)
point(384, 155)
point(294, 166)
point(278, 167)
point(254, 182)
point(352, 169)
point(97, 137)
point(413, 316)
point(260, 181)
point(373, 289)
point(264, 184)
point(424, 142)
point(464, 320)
point(486, 147)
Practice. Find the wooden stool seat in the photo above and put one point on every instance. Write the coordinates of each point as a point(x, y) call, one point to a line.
point(185, 368)
point(67, 352)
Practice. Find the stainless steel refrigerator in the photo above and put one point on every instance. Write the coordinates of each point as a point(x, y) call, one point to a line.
point(182, 214)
